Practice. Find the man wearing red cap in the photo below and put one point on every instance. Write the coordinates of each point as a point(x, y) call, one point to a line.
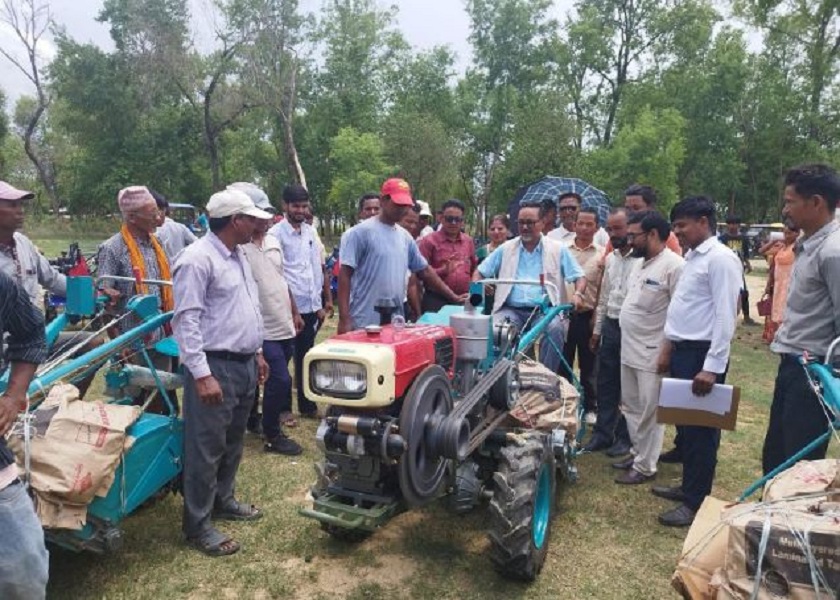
point(375, 255)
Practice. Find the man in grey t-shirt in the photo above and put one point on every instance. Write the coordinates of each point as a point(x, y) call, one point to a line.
point(812, 315)
point(375, 255)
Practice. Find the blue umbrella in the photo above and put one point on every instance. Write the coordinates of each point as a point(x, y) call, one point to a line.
point(549, 188)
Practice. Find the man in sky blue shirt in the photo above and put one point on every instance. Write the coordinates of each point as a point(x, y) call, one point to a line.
point(526, 258)
point(375, 255)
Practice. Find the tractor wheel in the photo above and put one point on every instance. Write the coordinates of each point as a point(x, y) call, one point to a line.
point(522, 508)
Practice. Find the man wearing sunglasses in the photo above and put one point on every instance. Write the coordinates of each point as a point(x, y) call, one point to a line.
point(568, 207)
point(526, 258)
point(451, 253)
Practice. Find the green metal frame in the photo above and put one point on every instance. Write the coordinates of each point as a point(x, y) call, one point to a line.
point(331, 510)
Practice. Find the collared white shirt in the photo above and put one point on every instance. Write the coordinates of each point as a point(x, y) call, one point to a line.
point(303, 264)
point(613, 287)
point(705, 306)
point(561, 234)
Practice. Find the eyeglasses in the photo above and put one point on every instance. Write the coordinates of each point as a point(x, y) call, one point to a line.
point(568, 208)
point(526, 223)
point(453, 219)
point(632, 236)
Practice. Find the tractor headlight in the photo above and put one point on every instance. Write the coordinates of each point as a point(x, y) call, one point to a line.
point(340, 378)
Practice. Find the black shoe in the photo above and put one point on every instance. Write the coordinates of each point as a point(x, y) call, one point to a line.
point(682, 516)
point(596, 445)
point(633, 477)
point(283, 445)
point(672, 457)
point(669, 493)
point(620, 448)
point(624, 464)
point(255, 424)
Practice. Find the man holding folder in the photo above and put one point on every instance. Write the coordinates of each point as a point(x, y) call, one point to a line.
point(700, 325)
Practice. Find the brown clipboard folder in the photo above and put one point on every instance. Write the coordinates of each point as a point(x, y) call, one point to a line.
point(700, 417)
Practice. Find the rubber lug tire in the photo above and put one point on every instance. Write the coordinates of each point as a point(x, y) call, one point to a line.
point(512, 516)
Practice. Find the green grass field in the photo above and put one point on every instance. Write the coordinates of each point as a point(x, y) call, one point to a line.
point(605, 542)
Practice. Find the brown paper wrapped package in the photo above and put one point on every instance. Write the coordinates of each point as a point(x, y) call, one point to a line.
point(74, 454)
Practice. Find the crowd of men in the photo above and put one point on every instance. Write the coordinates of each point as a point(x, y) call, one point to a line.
point(250, 295)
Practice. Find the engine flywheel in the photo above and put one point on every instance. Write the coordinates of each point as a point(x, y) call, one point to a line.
point(422, 470)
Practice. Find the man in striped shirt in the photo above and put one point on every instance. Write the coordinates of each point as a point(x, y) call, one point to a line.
point(24, 561)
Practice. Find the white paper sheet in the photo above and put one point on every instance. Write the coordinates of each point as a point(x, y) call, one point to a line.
point(676, 393)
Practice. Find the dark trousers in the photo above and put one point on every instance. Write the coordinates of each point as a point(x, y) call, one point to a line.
point(277, 395)
point(432, 302)
point(577, 344)
point(611, 426)
point(213, 437)
point(699, 445)
point(796, 417)
point(303, 343)
point(745, 300)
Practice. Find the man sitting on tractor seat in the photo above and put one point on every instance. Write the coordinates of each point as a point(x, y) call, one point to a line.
point(526, 258)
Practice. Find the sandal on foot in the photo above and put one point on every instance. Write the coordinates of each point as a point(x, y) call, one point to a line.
point(237, 511)
point(214, 543)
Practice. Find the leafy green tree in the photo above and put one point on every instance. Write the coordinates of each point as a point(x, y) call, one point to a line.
point(648, 150)
point(357, 163)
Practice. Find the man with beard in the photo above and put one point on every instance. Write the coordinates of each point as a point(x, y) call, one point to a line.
point(219, 328)
point(526, 258)
point(375, 255)
point(304, 270)
point(812, 315)
point(700, 325)
point(651, 286)
point(610, 431)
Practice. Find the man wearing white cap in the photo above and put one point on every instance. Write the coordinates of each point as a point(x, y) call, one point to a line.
point(219, 329)
point(425, 219)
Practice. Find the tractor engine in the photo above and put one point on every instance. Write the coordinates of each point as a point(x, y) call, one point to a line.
point(397, 416)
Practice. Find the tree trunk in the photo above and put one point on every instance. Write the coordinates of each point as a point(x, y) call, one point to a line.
point(287, 120)
point(46, 175)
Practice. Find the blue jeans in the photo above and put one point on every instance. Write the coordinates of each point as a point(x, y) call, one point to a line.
point(24, 560)
point(550, 354)
point(277, 395)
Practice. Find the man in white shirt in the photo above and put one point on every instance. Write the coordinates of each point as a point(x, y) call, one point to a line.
point(610, 431)
point(304, 270)
point(568, 206)
point(700, 325)
point(651, 287)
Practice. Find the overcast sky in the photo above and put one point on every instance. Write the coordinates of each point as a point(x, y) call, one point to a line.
point(425, 23)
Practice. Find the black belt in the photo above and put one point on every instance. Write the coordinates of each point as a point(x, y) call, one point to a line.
point(692, 344)
point(225, 355)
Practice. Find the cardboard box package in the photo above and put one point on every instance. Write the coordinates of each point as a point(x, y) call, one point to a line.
point(703, 553)
point(788, 545)
point(791, 550)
